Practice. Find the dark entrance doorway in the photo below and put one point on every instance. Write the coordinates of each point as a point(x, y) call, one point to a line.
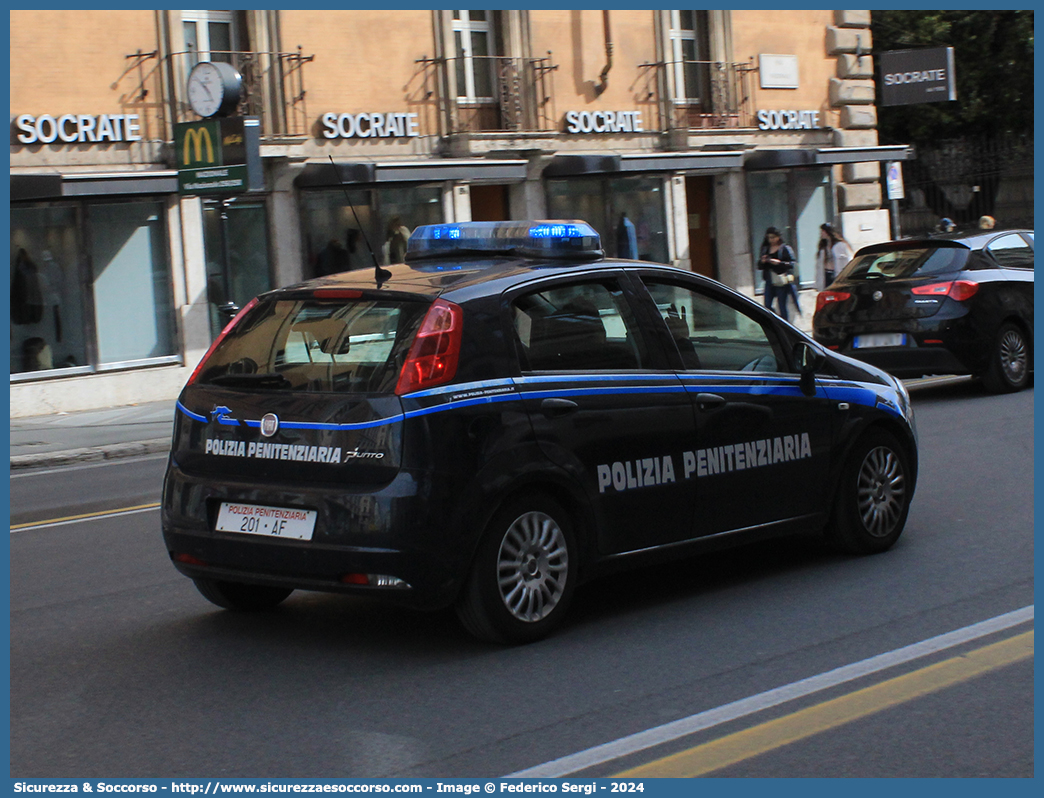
point(489, 204)
point(698, 193)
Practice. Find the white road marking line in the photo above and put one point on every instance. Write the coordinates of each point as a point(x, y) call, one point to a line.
point(658, 735)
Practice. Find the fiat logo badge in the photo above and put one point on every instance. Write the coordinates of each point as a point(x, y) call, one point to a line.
point(269, 424)
point(878, 296)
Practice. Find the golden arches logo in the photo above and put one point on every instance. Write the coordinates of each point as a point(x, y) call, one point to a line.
point(197, 136)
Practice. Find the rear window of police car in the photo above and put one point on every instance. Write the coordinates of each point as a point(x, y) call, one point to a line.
point(318, 346)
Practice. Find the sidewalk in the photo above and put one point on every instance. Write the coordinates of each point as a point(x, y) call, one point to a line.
point(66, 438)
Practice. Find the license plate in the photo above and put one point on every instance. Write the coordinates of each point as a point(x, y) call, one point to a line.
point(277, 522)
point(879, 339)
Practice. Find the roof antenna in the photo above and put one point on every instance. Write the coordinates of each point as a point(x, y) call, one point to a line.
point(379, 274)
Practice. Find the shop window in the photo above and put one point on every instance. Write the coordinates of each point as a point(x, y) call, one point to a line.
point(90, 287)
point(235, 236)
point(627, 212)
point(796, 202)
point(133, 305)
point(336, 231)
point(473, 56)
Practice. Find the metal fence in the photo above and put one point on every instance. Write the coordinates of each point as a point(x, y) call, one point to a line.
point(273, 88)
point(964, 179)
point(512, 93)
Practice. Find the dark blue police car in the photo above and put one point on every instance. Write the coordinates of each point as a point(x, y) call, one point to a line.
point(507, 414)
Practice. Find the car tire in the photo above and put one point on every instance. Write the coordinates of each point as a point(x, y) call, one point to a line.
point(873, 497)
point(1010, 361)
point(239, 596)
point(523, 574)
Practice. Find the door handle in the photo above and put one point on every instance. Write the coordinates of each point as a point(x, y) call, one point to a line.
point(708, 401)
point(555, 407)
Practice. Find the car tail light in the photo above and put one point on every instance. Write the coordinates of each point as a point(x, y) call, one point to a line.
point(436, 349)
point(826, 297)
point(374, 580)
point(958, 290)
point(188, 559)
point(228, 328)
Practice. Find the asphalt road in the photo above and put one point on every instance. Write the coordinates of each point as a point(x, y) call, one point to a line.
point(119, 668)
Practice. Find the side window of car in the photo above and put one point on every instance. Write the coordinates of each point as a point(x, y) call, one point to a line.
point(577, 327)
point(712, 335)
point(1011, 251)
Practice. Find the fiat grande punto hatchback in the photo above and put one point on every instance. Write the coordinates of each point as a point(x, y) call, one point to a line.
point(507, 414)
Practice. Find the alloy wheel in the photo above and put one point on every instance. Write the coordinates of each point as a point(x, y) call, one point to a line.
point(532, 566)
point(881, 491)
point(1013, 356)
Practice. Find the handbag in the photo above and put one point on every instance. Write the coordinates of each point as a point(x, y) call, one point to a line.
point(780, 280)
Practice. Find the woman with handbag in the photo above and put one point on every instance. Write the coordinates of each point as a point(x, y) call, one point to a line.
point(776, 262)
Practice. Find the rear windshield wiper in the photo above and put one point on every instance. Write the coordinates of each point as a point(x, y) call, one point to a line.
point(252, 380)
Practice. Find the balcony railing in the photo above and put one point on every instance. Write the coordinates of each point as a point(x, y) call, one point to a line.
point(506, 94)
point(273, 88)
point(707, 94)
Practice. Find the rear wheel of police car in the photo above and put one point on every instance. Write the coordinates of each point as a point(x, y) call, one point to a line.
point(873, 497)
point(239, 596)
point(523, 574)
point(1009, 361)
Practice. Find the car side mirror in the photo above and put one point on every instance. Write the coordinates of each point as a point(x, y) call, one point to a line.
point(808, 360)
point(807, 357)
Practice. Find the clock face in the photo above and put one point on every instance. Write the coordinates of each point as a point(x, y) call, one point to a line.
point(213, 87)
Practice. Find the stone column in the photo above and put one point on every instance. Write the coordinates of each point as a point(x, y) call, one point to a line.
point(859, 194)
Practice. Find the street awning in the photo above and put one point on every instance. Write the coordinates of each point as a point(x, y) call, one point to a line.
point(825, 156)
point(55, 185)
point(684, 162)
point(475, 170)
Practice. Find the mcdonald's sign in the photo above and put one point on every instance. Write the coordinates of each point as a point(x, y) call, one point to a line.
point(212, 156)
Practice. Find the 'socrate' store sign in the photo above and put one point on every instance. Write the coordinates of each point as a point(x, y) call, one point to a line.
point(77, 128)
point(604, 122)
point(368, 126)
point(788, 120)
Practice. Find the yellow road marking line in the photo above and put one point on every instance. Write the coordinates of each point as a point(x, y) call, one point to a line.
point(82, 516)
point(768, 736)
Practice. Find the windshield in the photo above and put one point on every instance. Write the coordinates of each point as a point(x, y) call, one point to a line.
point(897, 264)
point(310, 345)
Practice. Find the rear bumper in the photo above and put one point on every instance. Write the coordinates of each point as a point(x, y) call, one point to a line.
point(939, 345)
point(911, 361)
point(384, 532)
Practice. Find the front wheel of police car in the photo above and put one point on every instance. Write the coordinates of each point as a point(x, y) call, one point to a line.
point(238, 596)
point(873, 497)
point(523, 574)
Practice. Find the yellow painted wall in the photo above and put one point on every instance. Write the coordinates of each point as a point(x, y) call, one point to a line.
point(364, 60)
point(800, 33)
point(67, 61)
point(576, 40)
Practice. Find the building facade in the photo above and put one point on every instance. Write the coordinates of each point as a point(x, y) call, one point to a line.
point(702, 128)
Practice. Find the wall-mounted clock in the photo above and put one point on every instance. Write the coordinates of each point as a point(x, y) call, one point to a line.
point(214, 88)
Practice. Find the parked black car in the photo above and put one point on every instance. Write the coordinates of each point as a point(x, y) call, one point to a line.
point(954, 305)
point(508, 414)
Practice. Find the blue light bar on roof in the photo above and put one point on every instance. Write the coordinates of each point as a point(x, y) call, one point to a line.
point(541, 239)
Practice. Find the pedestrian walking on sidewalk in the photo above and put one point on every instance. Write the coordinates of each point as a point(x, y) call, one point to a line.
point(833, 253)
point(776, 262)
